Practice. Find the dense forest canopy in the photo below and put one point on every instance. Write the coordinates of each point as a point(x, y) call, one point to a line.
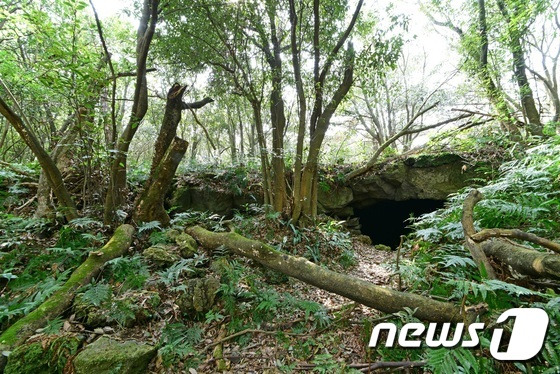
point(122, 121)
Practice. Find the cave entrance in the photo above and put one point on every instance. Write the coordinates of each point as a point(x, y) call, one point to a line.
point(385, 221)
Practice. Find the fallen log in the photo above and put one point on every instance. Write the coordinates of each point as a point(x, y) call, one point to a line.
point(62, 298)
point(377, 297)
point(522, 259)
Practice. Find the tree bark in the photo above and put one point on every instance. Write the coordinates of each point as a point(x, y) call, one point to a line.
point(519, 71)
point(522, 259)
point(62, 298)
point(476, 252)
point(116, 192)
point(49, 167)
point(150, 204)
point(377, 297)
point(495, 95)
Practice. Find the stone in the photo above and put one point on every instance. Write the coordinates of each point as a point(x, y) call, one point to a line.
point(172, 234)
point(199, 295)
point(161, 255)
point(188, 247)
point(48, 355)
point(334, 197)
point(107, 355)
point(383, 247)
point(363, 239)
point(139, 306)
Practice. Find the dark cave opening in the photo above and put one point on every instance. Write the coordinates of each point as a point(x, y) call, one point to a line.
point(385, 221)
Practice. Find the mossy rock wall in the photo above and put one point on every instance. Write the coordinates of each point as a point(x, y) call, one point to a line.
point(423, 176)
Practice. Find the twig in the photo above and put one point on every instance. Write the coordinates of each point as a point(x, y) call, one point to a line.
point(247, 331)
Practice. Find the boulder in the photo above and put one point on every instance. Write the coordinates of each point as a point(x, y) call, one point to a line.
point(130, 309)
point(161, 255)
point(199, 295)
point(187, 245)
point(383, 247)
point(48, 355)
point(363, 239)
point(107, 355)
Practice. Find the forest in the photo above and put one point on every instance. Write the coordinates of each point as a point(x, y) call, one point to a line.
point(279, 186)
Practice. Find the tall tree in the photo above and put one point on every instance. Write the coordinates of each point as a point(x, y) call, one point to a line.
point(117, 190)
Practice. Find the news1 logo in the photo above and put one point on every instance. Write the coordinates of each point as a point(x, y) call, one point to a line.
point(526, 340)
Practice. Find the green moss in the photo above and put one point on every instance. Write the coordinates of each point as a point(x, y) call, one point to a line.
point(382, 247)
point(106, 356)
point(46, 356)
point(62, 298)
point(199, 295)
point(432, 160)
point(161, 255)
point(187, 245)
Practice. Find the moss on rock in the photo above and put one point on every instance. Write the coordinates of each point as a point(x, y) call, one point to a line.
point(106, 356)
point(48, 355)
point(130, 309)
point(161, 255)
point(383, 247)
point(187, 245)
point(199, 295)
point(432, 160)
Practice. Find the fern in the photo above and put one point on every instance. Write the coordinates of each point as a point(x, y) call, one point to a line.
point(457, 261)
point(97, 294)
point(178, 341)
point(458, 360)
point(149, 226)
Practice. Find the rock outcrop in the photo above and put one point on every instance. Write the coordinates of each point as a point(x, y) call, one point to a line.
point(431, 177)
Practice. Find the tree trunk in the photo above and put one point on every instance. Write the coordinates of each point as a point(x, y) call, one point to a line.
point(495, 95)
point(366, 293)
point(43, 188)
point(519, 71)
point(265, 166)
point(62, 298)
point(117, 191)
point(150, 204)
point(52, 173)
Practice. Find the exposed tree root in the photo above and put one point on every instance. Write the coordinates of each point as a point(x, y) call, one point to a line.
point(62, 299)
point(368, 294)
point(522, 259)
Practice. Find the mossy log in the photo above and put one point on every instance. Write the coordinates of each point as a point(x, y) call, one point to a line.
point(525, 260)
point(366, 293)
point(62, 298)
